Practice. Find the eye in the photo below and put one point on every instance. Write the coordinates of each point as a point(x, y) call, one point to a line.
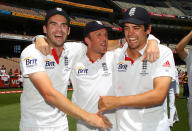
point(137, 27)
point(126, 28)
point(64, 25)
point(53, 23)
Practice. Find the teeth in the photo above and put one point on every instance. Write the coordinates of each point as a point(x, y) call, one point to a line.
point(132, 39)
point(58, 35)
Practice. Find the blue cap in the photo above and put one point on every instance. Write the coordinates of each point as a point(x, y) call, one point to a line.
point(136, 15)
point(55, 11)
point(92, 26)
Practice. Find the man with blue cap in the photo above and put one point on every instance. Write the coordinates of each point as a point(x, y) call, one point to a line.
point(140, 86)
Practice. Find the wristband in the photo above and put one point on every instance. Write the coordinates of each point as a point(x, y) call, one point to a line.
point(37, 37)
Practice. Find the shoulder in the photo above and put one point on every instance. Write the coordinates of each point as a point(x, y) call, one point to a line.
point(164, 50)
point(31, 51)
point(75, 45)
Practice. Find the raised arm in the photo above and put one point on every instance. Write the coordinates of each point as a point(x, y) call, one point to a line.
point(113, 44)
point(151, 52)
point(180, 47)
point(51, 95)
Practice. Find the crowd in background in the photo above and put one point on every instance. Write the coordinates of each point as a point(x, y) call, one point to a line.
point(5, 77)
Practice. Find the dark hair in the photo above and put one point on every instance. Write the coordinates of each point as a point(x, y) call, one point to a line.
point(56, 11)
point(146, 26)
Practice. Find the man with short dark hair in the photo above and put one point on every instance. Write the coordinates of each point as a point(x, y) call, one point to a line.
point(140, 86)
point(44, 105)
point(91, 75)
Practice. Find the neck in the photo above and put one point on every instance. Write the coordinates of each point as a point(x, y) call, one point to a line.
point(94, 56)
point(133, 53)
point(57, 49)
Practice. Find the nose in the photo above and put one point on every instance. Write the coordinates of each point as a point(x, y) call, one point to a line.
point(59, 27)
point(104, 38)
point(130, 31)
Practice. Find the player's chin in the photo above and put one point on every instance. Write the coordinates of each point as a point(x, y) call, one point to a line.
point(103, 51)
point(59, 44)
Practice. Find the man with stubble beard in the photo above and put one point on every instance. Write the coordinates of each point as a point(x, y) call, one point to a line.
point(44, 105)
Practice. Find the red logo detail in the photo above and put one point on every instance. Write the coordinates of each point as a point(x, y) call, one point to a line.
point(166, 64)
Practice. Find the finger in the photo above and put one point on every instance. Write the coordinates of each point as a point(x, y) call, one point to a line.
point(155, 57)
point(100, 103)
point(106, 121)
point(148, 57)
point(43, 50)
point(158, 53)
point(144, 57)
point(48, 50)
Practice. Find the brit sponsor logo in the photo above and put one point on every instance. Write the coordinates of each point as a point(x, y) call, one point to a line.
point(81, 70)
point(30, 62)
point(49, 64)
point(122, 67)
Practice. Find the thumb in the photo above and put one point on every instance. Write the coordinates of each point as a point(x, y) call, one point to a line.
point(100, 111)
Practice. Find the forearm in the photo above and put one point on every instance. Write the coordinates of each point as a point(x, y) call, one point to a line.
point(54, 97)
point(65, 105)
point(113, 44)
point(182, 44)
point(146, 99)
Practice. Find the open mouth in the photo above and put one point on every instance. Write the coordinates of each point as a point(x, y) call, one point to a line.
point(59, 36)
point(132, 39)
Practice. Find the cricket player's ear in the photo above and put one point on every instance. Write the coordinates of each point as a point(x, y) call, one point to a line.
point(44, 29)
point(87, 41)
point(69, 30)
point(148, 31)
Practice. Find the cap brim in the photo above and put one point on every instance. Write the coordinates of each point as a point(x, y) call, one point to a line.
point(87, 31)
point(131, 20)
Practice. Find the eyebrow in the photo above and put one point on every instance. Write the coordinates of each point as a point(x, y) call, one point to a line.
point(133, 26)
point(56, 22)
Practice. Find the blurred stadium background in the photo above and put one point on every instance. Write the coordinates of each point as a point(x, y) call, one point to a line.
point(21, 20)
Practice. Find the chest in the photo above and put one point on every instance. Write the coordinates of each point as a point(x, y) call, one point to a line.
point(137, 69)
point(87, 69)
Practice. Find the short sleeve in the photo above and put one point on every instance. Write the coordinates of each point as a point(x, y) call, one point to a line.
point(152, 37)
point(189, 57)
point(31, 61)
point(165, 65)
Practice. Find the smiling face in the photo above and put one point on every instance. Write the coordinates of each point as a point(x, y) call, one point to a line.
point(135, 35)
point(97, 41)
point(57, 30)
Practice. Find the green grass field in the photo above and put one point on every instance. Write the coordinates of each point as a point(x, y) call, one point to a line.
point(10, 113)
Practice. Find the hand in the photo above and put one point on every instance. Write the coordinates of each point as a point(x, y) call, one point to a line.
point(98, 120)
point(42, 45)
point(152, 51)
point(107, 103)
